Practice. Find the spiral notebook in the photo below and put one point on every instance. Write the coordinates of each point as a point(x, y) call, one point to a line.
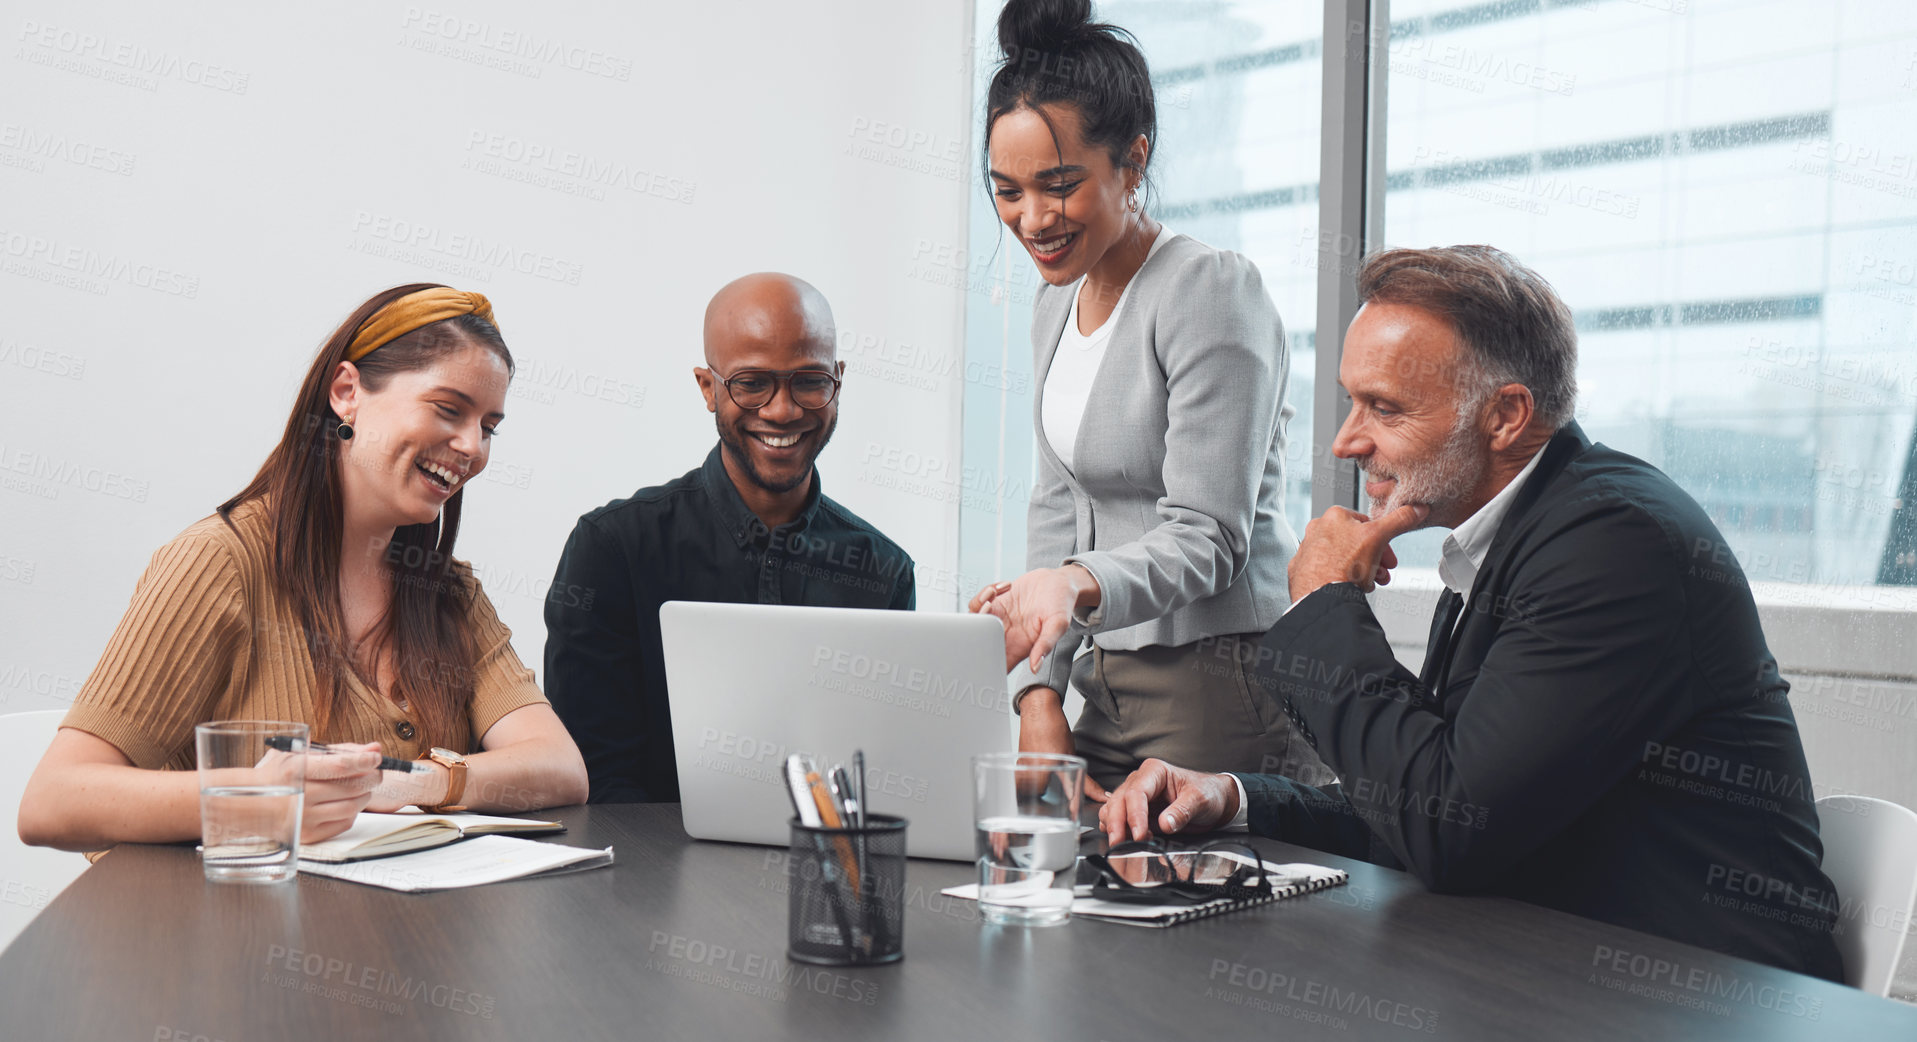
point(1286, 881)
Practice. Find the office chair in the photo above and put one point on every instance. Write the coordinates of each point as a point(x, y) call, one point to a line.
point(1870, 854)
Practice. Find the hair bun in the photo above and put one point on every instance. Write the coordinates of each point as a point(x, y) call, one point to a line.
point(1046, 26)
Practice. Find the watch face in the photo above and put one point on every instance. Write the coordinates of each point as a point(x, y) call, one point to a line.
point(449, 754)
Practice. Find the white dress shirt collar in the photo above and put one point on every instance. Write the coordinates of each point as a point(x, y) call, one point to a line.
point(1467, 544)
point(1464, 550)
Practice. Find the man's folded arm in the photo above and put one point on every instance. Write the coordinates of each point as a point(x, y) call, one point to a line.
point(593, 668)
point(1558, 712)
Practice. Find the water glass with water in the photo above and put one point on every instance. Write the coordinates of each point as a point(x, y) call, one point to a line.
point(1025, 807)
point(251, 795)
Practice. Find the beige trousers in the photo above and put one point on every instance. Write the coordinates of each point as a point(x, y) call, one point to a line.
point(1193, 706)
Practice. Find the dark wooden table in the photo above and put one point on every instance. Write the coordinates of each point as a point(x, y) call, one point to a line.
point(686, 940)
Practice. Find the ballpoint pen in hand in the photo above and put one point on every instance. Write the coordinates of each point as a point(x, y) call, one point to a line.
point(284, 743)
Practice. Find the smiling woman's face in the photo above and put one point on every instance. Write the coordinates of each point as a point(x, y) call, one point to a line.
point(1063, 198)
point(420, 437)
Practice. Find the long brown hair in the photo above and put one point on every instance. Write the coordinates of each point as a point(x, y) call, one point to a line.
point(427, 626)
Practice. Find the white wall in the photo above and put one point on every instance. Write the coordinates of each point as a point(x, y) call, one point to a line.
point(190, 202)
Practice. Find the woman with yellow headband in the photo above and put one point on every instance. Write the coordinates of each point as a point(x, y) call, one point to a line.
point(326, 592)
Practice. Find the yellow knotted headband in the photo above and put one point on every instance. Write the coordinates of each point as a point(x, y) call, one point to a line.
point(412, 311)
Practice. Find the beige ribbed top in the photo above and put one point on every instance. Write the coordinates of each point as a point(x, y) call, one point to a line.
point(209, 637)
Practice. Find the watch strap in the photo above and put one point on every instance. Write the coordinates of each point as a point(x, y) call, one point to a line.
point(455, 786)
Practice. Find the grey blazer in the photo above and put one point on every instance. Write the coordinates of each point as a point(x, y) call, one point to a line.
point(1175, 503)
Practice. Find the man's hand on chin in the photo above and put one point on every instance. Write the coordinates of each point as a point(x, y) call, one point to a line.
point(1344, 546)
point(1171, 798)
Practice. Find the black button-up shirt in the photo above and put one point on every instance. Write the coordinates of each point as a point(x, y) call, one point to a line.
point(692, 539)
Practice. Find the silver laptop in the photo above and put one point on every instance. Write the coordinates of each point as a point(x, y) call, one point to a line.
point(919, 692)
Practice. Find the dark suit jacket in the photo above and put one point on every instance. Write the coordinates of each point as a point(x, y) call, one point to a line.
point(1610, 735)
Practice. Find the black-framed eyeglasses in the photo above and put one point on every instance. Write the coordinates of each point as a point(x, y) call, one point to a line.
point(1148, 872)
point(755, 388)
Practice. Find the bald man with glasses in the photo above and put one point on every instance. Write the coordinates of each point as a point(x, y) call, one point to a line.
point(750, 526)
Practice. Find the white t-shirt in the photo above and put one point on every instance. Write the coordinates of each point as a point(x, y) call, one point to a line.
point(1068, 384)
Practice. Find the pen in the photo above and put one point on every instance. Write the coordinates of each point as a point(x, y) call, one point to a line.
point(865, 816)
point(830, 814)
point(834, 818)
point(842, 792)
point(386, 763)
point(858, 784)
point(855, 819)
point(801, 777)
point(800, 791)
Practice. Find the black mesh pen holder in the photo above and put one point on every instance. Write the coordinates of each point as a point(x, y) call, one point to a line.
point(847, 903)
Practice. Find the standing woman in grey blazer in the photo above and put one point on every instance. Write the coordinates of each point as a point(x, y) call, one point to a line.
point(1156, 527)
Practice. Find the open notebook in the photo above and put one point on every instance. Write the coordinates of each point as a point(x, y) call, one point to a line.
point(474, 862)
point(1286, 881)
point(379, 835)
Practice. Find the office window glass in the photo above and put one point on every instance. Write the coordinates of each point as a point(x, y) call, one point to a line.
point(1725, 192)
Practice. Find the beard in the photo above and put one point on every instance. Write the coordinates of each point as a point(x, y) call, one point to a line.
point(1439, 480)
point(739, 444)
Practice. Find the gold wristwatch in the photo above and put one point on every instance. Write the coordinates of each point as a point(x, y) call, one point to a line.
point(455, 764)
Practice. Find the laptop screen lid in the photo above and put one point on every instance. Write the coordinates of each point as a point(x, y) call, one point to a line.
point(748, 684)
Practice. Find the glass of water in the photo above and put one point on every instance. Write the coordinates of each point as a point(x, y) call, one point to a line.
point(252, 788)
point(1025, 808)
